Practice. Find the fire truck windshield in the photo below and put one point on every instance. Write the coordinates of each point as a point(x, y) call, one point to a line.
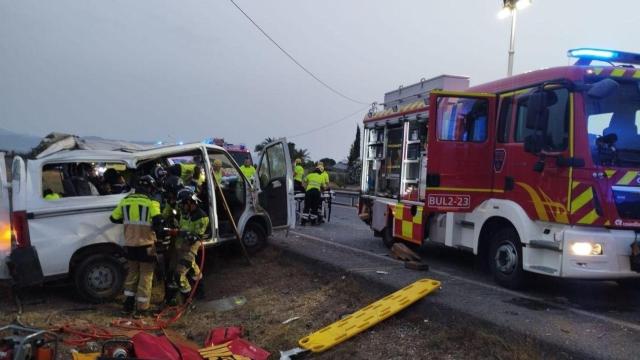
point(612, 125)
point(240, 156)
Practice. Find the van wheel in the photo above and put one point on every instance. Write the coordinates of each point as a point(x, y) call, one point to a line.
point(505, 258)
point(99, 278)
point(387, 237)
point(254, 238)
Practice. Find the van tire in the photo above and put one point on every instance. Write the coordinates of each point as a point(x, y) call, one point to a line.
point(387, 237)
point(99, 278)
point(254, 237)
point(505, 258)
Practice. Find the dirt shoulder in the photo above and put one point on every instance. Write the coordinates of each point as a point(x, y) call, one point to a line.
point(277, 288)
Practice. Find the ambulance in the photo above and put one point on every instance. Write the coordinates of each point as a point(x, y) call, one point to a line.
point(69, 235)
point(538, 172)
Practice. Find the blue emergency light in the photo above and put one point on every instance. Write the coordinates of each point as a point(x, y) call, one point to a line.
point(587, 55)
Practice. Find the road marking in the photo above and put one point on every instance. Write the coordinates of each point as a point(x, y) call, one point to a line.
point(481, 284)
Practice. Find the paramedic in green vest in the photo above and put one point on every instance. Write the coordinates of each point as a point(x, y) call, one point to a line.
point(194, 223)
point(216, 168)
point(298, 175)
point(325, 175)
point(141, 218)
point(192, 173)
point(312, 198)
point(247, 169)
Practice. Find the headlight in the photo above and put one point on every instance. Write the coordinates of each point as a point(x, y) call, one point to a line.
point(586, 248)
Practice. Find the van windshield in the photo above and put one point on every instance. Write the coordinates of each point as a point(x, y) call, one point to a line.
point(612, 125)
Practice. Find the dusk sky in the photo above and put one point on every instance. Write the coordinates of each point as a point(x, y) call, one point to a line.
point(187, 70)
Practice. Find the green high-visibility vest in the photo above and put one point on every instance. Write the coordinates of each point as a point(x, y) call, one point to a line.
point(314, 181)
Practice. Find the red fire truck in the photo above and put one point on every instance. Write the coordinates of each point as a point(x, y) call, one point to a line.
point(537, 172)
point(239, 152)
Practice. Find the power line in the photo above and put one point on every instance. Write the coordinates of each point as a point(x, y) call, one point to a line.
point(330, 123)
point(293, 59)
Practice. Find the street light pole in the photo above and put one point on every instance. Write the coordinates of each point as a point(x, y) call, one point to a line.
point(512, 41)
point(510, 8)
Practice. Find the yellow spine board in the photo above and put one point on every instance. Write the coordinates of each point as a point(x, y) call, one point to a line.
point(367, 317)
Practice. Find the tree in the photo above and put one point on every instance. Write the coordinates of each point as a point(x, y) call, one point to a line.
point(328, 162)
point(264, 143)
point(301, 154)
point(354, 152)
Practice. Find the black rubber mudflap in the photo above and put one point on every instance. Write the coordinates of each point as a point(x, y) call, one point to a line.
point(24, 266)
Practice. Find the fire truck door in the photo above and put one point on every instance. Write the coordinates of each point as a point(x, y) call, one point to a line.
point(460, 150)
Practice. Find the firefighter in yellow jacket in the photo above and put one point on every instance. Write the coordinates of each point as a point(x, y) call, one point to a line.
point(141, 218)
point(194, 223)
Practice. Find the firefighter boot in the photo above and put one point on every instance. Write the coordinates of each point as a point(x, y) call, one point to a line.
point(170, 296)
point(128, 305)
point(200, 293)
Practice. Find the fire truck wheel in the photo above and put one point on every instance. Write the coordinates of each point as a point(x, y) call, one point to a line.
point(254, 237)
point(506, 258)
point(99, 278)
point(387, 237)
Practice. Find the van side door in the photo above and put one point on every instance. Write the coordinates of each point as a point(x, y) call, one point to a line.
point(275, 174)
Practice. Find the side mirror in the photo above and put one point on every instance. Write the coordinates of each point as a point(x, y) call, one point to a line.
point(603, 89)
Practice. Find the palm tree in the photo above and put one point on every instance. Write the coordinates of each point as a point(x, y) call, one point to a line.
point(264, 143)
point(301, 154)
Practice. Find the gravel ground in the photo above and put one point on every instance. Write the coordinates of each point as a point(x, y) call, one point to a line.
point(278, 288)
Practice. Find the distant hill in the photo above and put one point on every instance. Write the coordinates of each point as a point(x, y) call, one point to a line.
point(20, 143)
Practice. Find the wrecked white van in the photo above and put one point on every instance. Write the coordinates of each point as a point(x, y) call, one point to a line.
point(69, 235)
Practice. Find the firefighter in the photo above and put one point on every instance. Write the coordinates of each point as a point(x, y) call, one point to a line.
point(141, 218)
point(298, 172)
point(247, 169)
point(193, 226)
point(312, 199)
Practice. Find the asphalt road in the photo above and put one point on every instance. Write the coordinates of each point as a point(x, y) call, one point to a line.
point(588, 315)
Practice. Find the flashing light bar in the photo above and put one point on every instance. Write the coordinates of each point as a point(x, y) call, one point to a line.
point(586, 55)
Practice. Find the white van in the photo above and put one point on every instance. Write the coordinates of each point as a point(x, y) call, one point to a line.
point(72, 235)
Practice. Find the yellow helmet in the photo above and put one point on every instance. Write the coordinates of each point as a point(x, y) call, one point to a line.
point(298, 161)
point(217, 162)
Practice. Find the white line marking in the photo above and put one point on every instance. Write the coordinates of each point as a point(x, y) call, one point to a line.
point(481, 284)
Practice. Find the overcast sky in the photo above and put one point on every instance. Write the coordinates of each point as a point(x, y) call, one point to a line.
point(186, 70)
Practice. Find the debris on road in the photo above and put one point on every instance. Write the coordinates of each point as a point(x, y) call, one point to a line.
point(290, 320)
point(382, 272)
point(400, 251)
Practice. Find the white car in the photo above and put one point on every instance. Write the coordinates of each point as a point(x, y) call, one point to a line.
point(69, 235)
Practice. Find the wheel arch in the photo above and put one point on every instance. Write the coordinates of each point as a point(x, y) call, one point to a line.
point(103, 248)
point(489, 227)
point(263, 221)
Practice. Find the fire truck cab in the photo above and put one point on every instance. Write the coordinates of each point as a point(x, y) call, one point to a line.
point(538, 172)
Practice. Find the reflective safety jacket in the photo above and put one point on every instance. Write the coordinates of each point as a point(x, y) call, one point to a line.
point(136, 212)
point(195, 223)
point(325, 178)
point(218, 176)
point(248, 171)
point(298, 173)
point(314, 181)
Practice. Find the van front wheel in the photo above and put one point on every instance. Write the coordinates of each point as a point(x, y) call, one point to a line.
point(254, 238)
point(99, 278)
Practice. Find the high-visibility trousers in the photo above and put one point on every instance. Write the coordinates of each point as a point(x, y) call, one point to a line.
point(139, 282)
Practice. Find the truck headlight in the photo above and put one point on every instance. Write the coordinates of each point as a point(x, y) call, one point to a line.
point(586, 248)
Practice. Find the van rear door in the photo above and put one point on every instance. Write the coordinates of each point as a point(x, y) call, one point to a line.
point(276, 183)
point(5, 219)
